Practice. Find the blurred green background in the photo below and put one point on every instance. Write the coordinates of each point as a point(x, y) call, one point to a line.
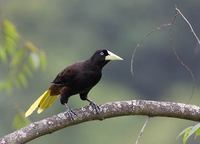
point(71, 30)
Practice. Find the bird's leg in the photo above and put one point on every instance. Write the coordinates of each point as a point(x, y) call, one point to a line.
point(94, 106)
point(83, 96)
point(64, 97)
point(70, 112)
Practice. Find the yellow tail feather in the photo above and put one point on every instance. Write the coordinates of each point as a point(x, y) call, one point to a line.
point(43, 102)
point(47, 102)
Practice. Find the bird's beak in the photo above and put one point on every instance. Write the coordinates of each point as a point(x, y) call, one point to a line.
point(112, 56)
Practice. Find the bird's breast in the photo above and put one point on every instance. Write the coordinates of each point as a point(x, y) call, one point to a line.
point(86, 80)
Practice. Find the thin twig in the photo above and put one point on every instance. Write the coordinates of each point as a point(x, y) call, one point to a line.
point(187, 69)
point(161, 27)
point(189, 24)
point(142, 130)
point(170, 24)
point(185, 66)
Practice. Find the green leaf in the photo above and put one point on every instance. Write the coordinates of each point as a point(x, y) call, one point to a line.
point(42, 58)
point(11, 36)
point(18, 57)
point(20, 121)
point(27, 71)
point(185, 134)
point(22, 79)
point(3, 56)
point(29, 45)
point(197, 132)
point(20, 62)
point(194, 129)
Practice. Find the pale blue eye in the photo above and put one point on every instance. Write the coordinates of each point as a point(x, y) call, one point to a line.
point(101, 53)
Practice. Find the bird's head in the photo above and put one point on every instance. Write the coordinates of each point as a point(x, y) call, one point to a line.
point(102, 57)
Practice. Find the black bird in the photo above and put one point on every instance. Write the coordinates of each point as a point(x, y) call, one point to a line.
point(78, 78)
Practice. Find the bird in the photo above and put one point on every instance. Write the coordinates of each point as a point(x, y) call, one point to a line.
point(78, 78)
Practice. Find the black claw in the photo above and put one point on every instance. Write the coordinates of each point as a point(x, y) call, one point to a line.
point(70, 112)
point(96, 107)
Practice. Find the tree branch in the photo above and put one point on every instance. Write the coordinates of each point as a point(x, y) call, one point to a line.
point(108, 110)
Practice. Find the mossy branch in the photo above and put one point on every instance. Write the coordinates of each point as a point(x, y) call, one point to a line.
point(108, 110)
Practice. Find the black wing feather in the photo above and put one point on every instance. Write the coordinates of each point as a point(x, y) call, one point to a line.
point(66, 76)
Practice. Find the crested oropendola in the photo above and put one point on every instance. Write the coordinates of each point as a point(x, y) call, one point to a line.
point(78, 78)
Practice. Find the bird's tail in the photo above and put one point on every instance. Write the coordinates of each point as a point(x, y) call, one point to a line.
point(42, 103)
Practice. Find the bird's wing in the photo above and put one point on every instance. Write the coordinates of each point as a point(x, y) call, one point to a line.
point(67, 75)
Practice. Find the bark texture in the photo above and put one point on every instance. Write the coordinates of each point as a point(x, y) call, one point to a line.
point(108, 110)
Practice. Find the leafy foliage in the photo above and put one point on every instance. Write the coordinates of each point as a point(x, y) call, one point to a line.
point(19, 57)
point(190, 131)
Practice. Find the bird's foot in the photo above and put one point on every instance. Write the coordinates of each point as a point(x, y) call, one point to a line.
point(96, 107)
point(70, 112)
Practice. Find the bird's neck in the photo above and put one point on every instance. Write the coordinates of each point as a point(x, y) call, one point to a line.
point(96, 65)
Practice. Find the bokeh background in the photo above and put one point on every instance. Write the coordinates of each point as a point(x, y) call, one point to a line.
point(71, 30)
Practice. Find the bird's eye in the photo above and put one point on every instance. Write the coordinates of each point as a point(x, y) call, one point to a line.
point(101, 53)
